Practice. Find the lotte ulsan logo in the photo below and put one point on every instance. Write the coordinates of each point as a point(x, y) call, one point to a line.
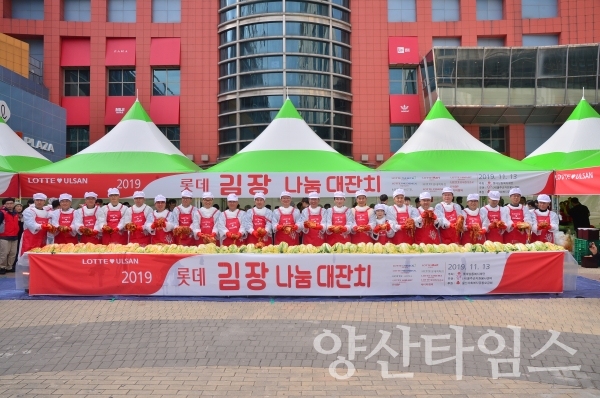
point(107, 261)
point(404, 108)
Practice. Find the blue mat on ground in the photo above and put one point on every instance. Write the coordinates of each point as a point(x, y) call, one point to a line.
point(586, 288)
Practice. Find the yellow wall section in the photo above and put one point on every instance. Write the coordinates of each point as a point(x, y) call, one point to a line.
point(14, 55)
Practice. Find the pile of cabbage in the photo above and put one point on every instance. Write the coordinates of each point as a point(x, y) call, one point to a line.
point(366, 248)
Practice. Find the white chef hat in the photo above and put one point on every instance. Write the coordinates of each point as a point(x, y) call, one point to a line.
point(285, 193)
point(232, 197)
point(515, 191)
point(398, 191)
point(360, 192)
point(424, 195)
point(339, 194)
point(90, 195)
point(139, 194)
point(313, 195)
point(472, 196)
point(187, 193)
point(65, 196)
point(380, 206)
point(160, 198)
point(544, 198)
point(447, 190)
point(207, 195)
point(113, 191)
point(259, 195)
point(494, 195)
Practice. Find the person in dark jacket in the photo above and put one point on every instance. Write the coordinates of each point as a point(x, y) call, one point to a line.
point(9, 238)
point(580, 214)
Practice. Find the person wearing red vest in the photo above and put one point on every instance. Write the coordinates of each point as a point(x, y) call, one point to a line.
point(62, 219)
point(208, 216)
point(427, 222)
point(494, 218)
point(257, 222)
point(339, 220)
point(473, 231)
point(452, 220)
point(519, 220)
point(36, 225)
point(286, 221)
point(89, 220)
point(383, 231)
point(364, 219)
point(9, 238)
point(402, 219)
point(230, 223)
point(161, 229)
point(186, 220)
point(113, 231)
point(545, 222)
point(313, 220)
point(138, 219)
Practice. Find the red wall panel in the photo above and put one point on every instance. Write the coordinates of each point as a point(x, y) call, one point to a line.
point(75, 51)
point(164, 110)
point(78, 110)
point(165, 51)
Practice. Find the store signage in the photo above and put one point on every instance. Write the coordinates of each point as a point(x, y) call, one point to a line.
point(4, 111)
point(37, 144)
point(403, 50)
point(404, 109)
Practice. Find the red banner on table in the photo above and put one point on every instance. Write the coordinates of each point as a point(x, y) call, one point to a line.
point(330, 274)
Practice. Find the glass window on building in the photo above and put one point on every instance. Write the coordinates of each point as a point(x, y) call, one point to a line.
point(490, 42)
point(172, 134)
point(540, 40)
point(121, 10)
point(166, 81)
point(533, 9)
point(77, 82)
point(121, 82)
point(489, 10)
point(78, 138)
point(166, 11)
point(445, 10)
point(403, 81)
point(27, 9)
point(399, 135)
point(494, 137)
point(446, 42)
point(76, 10)
point(402, 11)
point(536, 135)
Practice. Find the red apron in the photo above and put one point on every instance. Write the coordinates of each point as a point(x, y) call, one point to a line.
point(90, 222)
point(494, 234)
point(383, 238)
point(160, 236)
point(233, 225)
point(361, 218)
point(516, 236)
point(450, 235)
point(546, 235)
point(113, 218)
point(466, 236)
point(65, 220)
point(258, 222)
point(402, 235)
point(30, 240)
point(293, 239)
point(427, 234)
point(314, 236)
point(207, 224)
point(336, 220)
point(139, 219)
point(185, 220)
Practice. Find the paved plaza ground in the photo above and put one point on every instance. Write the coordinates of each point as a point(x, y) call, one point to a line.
point(285, 348)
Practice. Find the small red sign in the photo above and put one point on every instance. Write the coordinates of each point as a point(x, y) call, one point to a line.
point(405, 109)
point(403, 50)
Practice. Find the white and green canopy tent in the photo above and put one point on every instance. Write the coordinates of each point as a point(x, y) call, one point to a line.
point(288, 144)
point(577, 139)
point(15, 156)
point(441, 147)
point(133, 153)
